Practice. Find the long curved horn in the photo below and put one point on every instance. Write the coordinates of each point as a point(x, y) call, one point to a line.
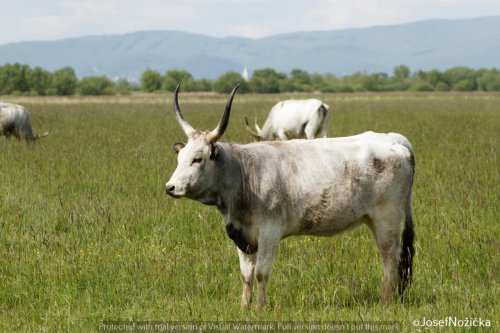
point(215, 135)
point(188, 129)
point(257, 126)
point(249, 130)
point(39, 136)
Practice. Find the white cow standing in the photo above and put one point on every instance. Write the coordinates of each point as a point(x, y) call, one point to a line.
point(15, 120)
point(268, 191)
point(293, 119)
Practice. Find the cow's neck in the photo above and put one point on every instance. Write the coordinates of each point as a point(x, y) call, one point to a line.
point(229, 179)
point(233, 202)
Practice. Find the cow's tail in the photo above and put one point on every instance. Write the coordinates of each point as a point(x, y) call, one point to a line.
point(408, 237)
point(325, 118)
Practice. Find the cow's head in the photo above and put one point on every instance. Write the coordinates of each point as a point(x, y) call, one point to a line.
point(257, 136)
point(196, 174)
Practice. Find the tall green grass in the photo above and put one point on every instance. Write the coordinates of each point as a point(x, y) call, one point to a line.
point(87, 233)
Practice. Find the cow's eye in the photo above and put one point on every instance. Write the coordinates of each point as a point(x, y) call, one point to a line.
point(196, 160)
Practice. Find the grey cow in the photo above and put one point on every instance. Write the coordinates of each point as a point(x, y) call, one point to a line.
point(293, 119)
point(268, 191)
point(15, 120)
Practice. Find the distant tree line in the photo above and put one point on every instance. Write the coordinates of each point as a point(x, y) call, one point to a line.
point(17, 79)
point(268, 80)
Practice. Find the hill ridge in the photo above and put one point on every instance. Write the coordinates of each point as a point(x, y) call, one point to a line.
point(426, 45)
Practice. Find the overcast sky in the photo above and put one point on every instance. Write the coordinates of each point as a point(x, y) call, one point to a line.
point(56, 19)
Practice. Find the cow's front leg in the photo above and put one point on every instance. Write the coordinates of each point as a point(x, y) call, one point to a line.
point(268, 244)
point(247, 267)
point(281, 135)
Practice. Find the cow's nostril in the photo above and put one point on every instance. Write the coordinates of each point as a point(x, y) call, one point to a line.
point(171, 189)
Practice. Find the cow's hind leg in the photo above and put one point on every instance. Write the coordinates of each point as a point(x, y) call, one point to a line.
point(6, 141)
point(247, 267)
point(385, 229)
point(317, 125)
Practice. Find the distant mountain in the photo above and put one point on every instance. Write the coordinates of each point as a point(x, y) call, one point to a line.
point(431, 44)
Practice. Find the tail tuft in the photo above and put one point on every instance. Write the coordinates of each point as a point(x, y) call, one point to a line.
point(407, 254)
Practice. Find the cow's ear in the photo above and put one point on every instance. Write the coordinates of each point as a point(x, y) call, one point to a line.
point(214, 150)
point(178, 146)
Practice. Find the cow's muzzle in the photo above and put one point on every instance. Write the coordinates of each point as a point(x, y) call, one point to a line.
point(170, 190)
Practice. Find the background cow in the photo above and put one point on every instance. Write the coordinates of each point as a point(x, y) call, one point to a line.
point(270, 190)
point(15, 120)
point(293, 119)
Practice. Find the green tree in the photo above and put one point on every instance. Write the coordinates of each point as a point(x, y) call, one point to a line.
point(206, 85)
point(226, 82)
point(441, 86)
point(317, 82)
point(123, 87)
point(175, 77)
point(422, 87)
point(489, 80)
point(95, 85)
point(464, 85)
point(300, 76)
point(401, 72)
point(13, 79)
point(266, 80)
point(352, 83)
point(286, 85)
point(298, 80)
point(435, 77)
point(330, 83)
point(150, 81)
point(455, 74)
point(373, 82)
point(38, 81)
point(63, 82)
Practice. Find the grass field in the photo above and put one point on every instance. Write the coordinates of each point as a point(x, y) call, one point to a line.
point(87, 233)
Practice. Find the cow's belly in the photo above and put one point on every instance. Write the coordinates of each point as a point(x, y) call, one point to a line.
point(334, 210)
point(328, 225)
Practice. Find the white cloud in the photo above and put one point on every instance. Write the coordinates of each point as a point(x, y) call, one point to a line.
point(69, 18)
point(339, 14)
point(55, 19)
